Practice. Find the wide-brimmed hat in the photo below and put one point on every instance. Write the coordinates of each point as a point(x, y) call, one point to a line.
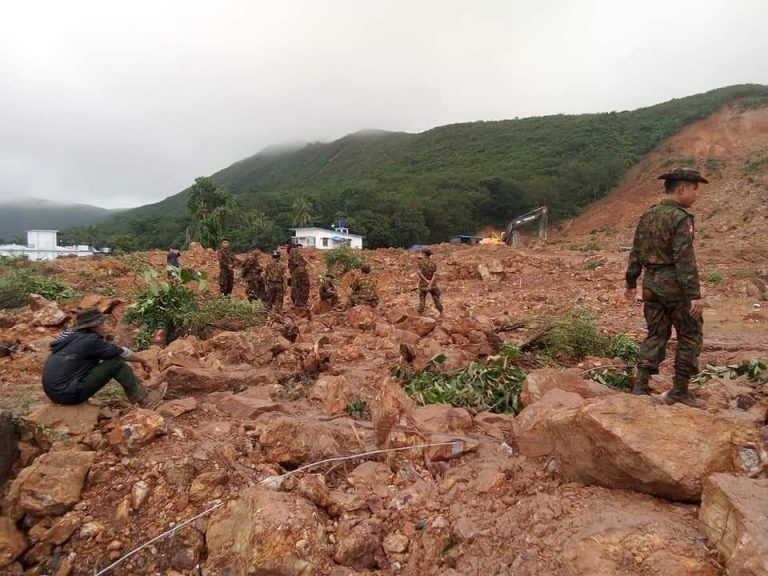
point(688, 174)
point(88, 318)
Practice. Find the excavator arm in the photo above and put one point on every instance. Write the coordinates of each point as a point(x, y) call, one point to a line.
point(511, 236)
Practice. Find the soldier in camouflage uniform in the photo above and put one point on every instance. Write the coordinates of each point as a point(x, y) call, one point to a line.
point(663, 248)
point(274, 276)
point(428, 282)
point(253, 277)
point(299, 278)
point(363, 289)
point(328, 290)
point(227, 263)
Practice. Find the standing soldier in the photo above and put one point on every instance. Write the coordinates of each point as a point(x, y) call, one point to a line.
point(363, 289)
point(253, 277)
point(328, 290)
point(274, 275)
point(428, 281)
point(299, 278)
point(663, 247)
point(227, 263)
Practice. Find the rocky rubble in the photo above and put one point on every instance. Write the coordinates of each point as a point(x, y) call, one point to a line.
point(579, 482)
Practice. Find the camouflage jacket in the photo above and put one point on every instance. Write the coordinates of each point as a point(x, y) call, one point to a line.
point(427, 269)
point(252, 269)
point(363, 288)
point(274, 272)
point(295, 259)
point(663, 247)
point(327, 289)
point(226, 258)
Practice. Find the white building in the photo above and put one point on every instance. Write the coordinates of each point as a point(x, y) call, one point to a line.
point(324, 239)
point(44, 245)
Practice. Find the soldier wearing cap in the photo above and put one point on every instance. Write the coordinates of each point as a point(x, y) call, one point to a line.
point(82, 362)
point(274, 276)
point(663, 249)
point(253, 276)
point(363, 289)
point(428, 281)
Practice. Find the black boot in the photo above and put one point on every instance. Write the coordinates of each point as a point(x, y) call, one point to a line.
point(679, 394)
point(641, 387)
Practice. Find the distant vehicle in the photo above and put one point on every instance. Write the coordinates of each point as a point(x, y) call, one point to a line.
point(512, 237)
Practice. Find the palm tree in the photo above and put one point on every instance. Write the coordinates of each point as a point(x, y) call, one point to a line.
point(302, 212)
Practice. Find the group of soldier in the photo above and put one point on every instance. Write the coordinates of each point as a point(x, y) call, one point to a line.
point(663, 251)
point(268, 284)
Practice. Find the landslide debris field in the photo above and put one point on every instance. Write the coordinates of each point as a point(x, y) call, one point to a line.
point(585, 480)
point(544, 465)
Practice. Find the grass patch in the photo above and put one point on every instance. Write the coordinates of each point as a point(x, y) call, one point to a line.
point(715, 277)
point(18, 281)
point(358, 409)
point(591, 265)
point(492, 385)
point(591, 247)
point(753, 166)
point(756, 371)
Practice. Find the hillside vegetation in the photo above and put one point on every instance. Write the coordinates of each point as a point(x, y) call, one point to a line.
point(18, 216)
point(398, 188)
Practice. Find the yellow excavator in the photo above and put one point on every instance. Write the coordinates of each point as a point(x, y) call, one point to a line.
point(512, 237)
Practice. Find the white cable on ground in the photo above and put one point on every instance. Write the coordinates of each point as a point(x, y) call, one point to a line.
point(265, 482)
point(156, 538)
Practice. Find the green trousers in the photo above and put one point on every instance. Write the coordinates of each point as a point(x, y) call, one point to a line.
point(114, 368)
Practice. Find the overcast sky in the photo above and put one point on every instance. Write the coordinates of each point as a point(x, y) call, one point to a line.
point(123, 103)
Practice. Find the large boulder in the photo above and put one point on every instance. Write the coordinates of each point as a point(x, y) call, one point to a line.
point(184, 380)
point(359, 545)
point(12, 542)
point(184, 352)
point(266, 533)
point(249, 347)
point(9, 451)
point(46, 313)
point(50, 486)
point(635, 443)
point(242, 407)
point(361, 317)
point(49, 421)
point(104, 304)
point(138, 428)
point(293, 441)
point(418, 324)
point(734, 516)
point(334, 392)
point(539, 382)
point(531, 426)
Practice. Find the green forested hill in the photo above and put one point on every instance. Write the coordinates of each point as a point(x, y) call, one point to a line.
point(18, 216)
point(398, 188)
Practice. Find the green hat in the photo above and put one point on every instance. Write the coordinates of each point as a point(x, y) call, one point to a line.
point(687, 174)
point(89, 318)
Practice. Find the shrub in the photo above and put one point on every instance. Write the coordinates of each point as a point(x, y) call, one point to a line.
point(341, 260)
point(574, 335)
point(715, 276)
point(493, 385)
point(16, 284)
point(358, 409)
point(591, 264)
point(220, 310)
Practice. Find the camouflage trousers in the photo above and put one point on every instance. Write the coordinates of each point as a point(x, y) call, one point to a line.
point(661, 317)
point(435, 293)
point(255, 290)
point(363, 300)
point(226, 281)
point(300, 288)
point(274, 296)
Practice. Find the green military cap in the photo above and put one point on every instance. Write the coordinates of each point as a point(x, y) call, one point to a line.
point(684, 174)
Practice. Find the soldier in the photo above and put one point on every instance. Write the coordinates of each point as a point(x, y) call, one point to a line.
point(253, 277)
point(363, 289)
point(428, 282)
point(328, 290)
point(227, 263)
point(299, 278)
point(274, 276)
point(663, 248)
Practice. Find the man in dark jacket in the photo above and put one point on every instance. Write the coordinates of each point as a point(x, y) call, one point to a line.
point(82, 362)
